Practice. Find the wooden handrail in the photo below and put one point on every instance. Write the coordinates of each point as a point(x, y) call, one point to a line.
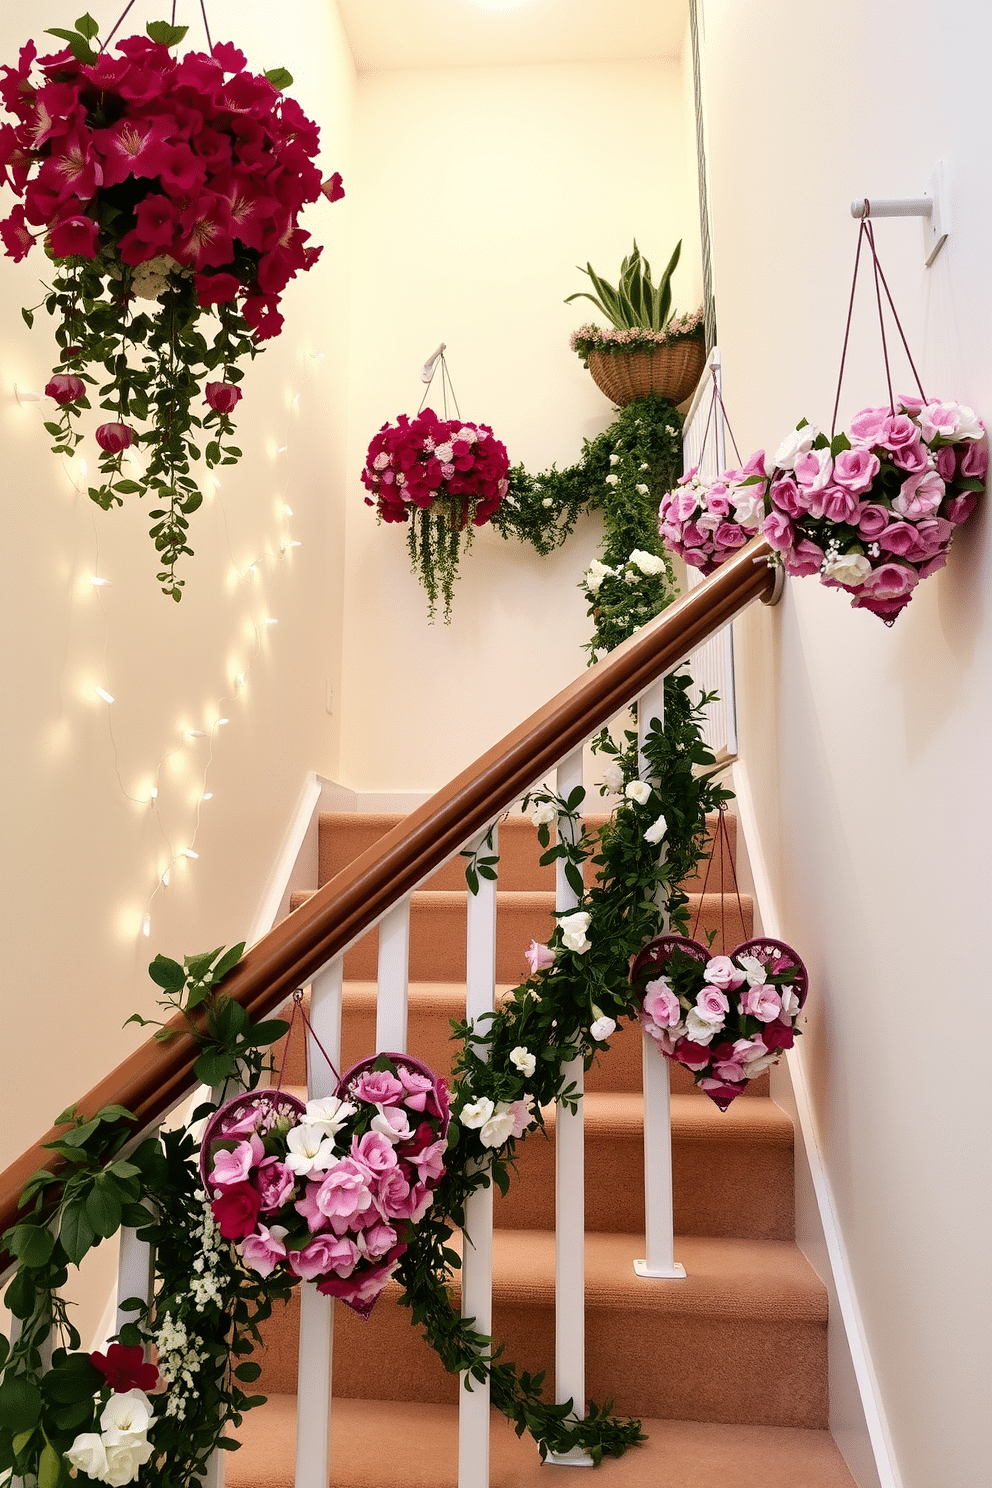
point(158, 1074)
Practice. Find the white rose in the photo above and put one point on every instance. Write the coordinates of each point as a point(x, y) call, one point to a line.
point(476, 1113)
point(544, 814)
point(381, 461)
point(88, 1454)
point(656, 831)
point(125, 1459)
point(748, 507)
point(648, 563)
point(612, 480)
point(848, 568)
point(524, 1060)
point(573, 929)
point(794, 445)
point(753, 969)
point(499, 1126)
point(602, 1028)
point(639, 791)
point(613, 779)
point(547, 501)
point(755, 1067)
point(644, 490)
point(614, 459)
point(327, 1115)
point(392, 1124)
point(698, 1029)
point(595, 574)
point(790, 1000)
point(126, 1415)
point(949, 421)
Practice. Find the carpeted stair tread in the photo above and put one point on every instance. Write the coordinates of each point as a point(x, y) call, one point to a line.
point(388, 1444)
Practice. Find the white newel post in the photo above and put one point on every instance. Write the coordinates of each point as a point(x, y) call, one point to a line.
point(659, 1228)
point(316, 1349)
point(570, 1219)
point(477, 1239)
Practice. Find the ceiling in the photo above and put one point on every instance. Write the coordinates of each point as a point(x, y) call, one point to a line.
point(460, 33)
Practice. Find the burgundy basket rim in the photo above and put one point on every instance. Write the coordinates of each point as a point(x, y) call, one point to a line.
point(244, 1098)
point(409, 1061)
point(646, 957)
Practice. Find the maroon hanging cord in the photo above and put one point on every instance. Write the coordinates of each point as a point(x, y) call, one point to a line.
point(847, 328)
point(722, 840)
point(117, 25)
point(895, 317)
point(301, 1010)
point(210, 48)
point(881, 318)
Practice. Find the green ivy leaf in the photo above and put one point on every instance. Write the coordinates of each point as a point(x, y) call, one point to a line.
point(213, 1068)
point(167, 974)
point(20, 1403)
point(279, 78)
point(87, 26)
point(75, 1233)
point(164, 34)
point(32, 1244)
point(28, 318)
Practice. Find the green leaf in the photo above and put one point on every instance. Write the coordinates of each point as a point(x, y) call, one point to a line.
point(165, 34)
point(265, 1033)
point(21, 1440)
point(248, 1372)
point(19, 1297)
point(28, 317)
point(49, 1467)
point(213, 1068)
point(103, 1210)
point(279, 77)
point(20, 1404)
point(229, 960)
point(127, 487)
point(87, 26)
point(32, 1244)
point(81, 50)
point(76, 1234)
point(167, 974)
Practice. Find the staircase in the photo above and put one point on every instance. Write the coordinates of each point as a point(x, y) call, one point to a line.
point(727, 1369)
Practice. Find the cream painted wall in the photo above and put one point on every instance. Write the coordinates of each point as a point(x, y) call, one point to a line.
point(867, 748)
point(82, 860)
point(477, 192)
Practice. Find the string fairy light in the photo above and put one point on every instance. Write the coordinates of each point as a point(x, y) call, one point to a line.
point(76, 470)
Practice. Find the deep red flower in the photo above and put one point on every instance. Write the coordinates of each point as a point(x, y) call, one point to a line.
point(17, 238)
point(223, 396)
point(125, 1369)
point(65, 387)
point(74, 236)
point(214, 289)
point(114, 437)
point(236, 1210)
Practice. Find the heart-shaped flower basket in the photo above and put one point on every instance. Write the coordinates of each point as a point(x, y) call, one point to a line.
point(725, 1018)
point(329, 1189)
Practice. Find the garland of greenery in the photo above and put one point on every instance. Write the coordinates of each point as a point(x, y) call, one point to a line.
point(623, 472)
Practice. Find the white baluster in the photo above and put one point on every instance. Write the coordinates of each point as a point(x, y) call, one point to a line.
point(477, 1246)
point(394, 975)
point(659, 1228)
point(316, 1349)
point(570, 1221)
point(135, 1274)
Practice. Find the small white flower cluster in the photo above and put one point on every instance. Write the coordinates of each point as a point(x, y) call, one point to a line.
point(545, 814)
point(151, 279)
point(204, 1284)
point(178, 1364)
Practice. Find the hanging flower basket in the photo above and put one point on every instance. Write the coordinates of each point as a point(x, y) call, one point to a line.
point(444, 477)
point(166, 191)
point(625, 371)
point(328, 1190)
point(725, 1018)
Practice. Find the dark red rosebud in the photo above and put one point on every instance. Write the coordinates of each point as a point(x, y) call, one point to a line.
point(223, 396)
point(65, 387)
point(114, 437)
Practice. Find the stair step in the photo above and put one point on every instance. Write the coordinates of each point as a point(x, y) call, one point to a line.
point(392, 1444)
point(433, 1005)
point(742, 1340)
point(345, 835)
point(438, 930)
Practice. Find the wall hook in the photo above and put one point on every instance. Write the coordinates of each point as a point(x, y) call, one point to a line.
point(931, 206)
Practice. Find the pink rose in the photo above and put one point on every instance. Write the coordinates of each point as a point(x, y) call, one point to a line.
point(920, 495)
point(376, 1240)
point(855, 469)
point(934, 566)
point(264, 1251)
point(727, 1069)
point(721, 972)
point(814, 469)
point(344, 1194)
point(973, 461)
point(901, 538)
point(523, 1117)
point(416, 1203)
point(538, 957)
point(236, 1210)
point(731, 535)
point(867, 426)
point(661, 1005)
point(718, 505)
point(872, 520)
point(363, 1291)
point(223, 396)
point(711, 1006)
point(307, 1206)
point(805, 558)
point(911, 457)
point(378, 1088)
point(429, 1161)
point(839, 505)
point(114, 437)
point(275, 1183)
point(787, 495)
point(762, 1002)
point(323, 1254)
point(389, 1192)
point(418, 1088)
point(899, 432)
point(961, 507)
point(933, 533)
point(65, 387)
point(778, 530)
point(374, 1153)
point(685, 506)
point(234, 1166)
point(891, 581)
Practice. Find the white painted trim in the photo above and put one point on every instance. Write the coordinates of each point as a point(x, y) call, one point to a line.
point(861, 1431)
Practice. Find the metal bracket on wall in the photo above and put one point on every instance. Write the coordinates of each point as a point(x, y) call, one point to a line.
point(931, 206)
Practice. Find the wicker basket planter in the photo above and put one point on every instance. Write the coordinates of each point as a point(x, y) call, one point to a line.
point(672, 371)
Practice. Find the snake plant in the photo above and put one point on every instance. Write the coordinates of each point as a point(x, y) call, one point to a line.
point(636, 301)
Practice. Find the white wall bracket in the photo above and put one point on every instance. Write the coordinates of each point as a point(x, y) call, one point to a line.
point(931, 206)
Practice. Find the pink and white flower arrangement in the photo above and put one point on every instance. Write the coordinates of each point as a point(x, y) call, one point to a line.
point(328, 1190)
point(443, 476)
point(725, 1018)
point(872, 511)
point(167, 191)
point(705, 521)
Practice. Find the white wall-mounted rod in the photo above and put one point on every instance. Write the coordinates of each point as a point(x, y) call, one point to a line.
point(427, 372)
point(897, 206)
